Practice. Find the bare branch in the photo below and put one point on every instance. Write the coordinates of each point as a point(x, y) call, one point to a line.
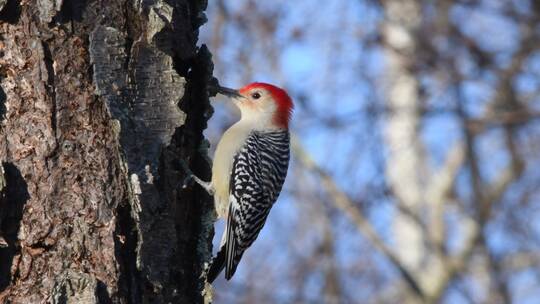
point(343, 203)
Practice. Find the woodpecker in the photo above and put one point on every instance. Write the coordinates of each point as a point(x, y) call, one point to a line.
point(249, 168)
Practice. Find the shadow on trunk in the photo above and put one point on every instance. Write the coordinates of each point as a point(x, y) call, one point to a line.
point(14, 197)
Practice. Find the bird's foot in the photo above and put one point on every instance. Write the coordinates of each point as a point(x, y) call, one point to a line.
point(191, 177)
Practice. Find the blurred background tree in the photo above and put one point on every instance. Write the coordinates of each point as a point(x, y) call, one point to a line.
point(415, 174)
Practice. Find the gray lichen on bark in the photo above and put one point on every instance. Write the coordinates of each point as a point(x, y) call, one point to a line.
point(48, 9)
point(159, 15)
point(75, 288)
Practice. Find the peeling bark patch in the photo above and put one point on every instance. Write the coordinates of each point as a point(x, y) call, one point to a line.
point(108, 57)
point(11, 12)
point(143, 96)
point(14, 197)
point(163, 88)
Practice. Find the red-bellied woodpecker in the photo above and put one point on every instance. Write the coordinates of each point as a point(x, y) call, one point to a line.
point(249, 168)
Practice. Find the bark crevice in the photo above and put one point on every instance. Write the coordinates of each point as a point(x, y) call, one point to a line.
point(126, 244)
point(50, 84)
point(2, 100)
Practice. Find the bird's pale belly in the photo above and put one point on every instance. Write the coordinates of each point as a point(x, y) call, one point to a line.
point(232, 140)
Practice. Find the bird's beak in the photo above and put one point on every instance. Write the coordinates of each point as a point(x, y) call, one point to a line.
point(232, 93)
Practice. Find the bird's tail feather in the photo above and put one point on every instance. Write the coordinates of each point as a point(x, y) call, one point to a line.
point(218, 263)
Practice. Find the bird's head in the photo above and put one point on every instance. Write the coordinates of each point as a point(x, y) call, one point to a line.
point(263, 103)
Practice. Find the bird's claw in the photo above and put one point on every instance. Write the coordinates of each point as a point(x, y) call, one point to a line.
point(188, 181)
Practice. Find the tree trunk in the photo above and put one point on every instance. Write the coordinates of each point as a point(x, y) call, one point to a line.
point(100, 102)
point(405, 167)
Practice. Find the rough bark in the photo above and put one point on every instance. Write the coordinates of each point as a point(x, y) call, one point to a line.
point(100, 102)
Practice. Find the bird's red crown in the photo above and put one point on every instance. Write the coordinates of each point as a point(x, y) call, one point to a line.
point(283, 100)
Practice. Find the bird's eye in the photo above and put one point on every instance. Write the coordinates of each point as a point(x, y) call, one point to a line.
point(256, 95)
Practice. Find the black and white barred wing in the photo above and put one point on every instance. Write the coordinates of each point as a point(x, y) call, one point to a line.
point(257, 176)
